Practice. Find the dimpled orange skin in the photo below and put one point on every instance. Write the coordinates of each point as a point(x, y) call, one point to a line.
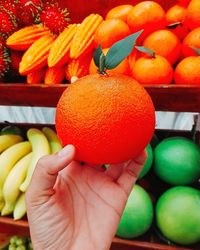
point(164, 43)
point(150, 70)
point(188, 71)
point(191, 40)
point(109, 119)
point(147, 15)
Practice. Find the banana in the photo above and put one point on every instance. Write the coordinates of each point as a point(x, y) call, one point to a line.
point(12, 183)
point(40, 147)
point(54, 142)
point(8, 159)
point(7, 141)
point(20, 207)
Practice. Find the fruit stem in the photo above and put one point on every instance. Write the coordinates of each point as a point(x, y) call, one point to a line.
point(102, 69)
point(35, 6)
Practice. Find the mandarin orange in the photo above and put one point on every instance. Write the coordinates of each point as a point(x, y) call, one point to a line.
point(119, 12)
point(109, 119)
point(192, 19)
point(111, 31)
point(152, 70)
point(188, 71)
point(192, 40)
point(147, 15)
point(164, 43)
point(176, 14)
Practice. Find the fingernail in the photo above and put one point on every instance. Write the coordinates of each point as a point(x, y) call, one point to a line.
point(66, 150)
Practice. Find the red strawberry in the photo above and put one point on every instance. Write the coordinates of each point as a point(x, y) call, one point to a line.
point(8, 23)
point(9, 6)
point(54, 18)
point(4, 60)
point(28, 11)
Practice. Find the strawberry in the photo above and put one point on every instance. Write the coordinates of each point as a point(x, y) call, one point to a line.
point(4, 59)
point(54, 18)
point(8, 23)
point(28, 11)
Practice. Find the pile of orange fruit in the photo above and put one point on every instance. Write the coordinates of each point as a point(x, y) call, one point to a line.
point(172, 35)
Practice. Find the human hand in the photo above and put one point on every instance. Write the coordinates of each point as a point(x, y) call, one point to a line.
point(72, 206)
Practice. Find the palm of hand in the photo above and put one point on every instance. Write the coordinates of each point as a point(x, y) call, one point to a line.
point(70, 206)
point(93, 202)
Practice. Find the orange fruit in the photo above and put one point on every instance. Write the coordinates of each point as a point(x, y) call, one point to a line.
point(109, 119)
point(176, 14)
point(192, 19)
point(152, 70)
point(192, 40)
point(147, 15)
point(119, 12)
point(111, 31)
point(122, 68)
point(164, 43)
point(188, 71)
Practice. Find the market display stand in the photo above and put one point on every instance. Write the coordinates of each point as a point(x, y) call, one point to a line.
point(165, 98)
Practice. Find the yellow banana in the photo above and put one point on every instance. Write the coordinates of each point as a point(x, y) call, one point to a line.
point(8, 159)
point(7, 141)
point(54, 142)
point(20, 207)
point(12, 183)
point(40, 147)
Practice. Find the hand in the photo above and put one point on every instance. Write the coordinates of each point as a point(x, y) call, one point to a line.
point(72, 206)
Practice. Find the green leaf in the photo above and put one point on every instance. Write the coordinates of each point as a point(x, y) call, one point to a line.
point(145, 50)
point(97, 55)
point(121, 50)
point(197, 50)
point(174, 25)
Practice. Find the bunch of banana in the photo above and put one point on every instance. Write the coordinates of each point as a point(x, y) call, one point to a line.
point(17, 163)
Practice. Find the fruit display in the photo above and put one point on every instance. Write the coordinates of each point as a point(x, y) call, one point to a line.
point(19, 156)
point(15, 243)
point(169, 38)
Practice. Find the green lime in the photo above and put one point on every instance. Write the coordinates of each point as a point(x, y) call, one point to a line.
point(178, 215)
point(148, 162)
point(138, 214)
point(177, 161)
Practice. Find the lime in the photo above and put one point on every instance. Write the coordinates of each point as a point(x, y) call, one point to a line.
point(148, 162)
point(177, 161)
point(178, 215)
point(138, 214)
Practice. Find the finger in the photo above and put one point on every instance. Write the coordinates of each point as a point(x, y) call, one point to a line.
point(47, 169)
point(131, 172)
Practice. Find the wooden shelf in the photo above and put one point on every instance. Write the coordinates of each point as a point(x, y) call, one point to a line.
point(165, 97)
point(21, 228)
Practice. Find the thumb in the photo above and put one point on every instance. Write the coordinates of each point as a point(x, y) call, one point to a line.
point(46, 172)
